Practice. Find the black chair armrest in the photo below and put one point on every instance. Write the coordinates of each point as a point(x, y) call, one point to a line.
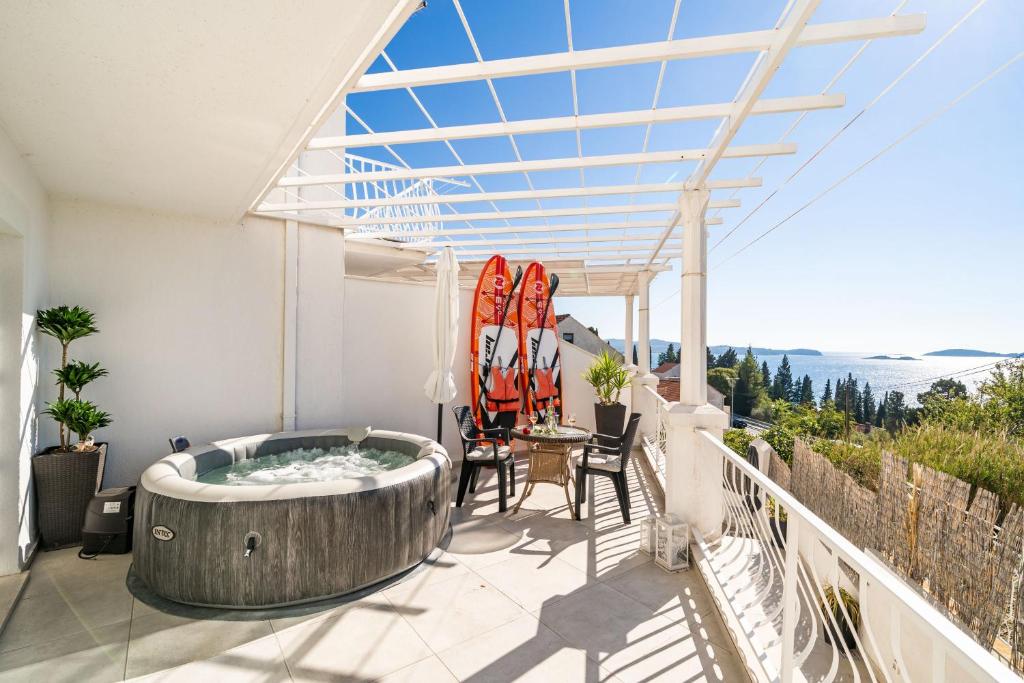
point(598, 447)
point(500, 432)
point(608, 437)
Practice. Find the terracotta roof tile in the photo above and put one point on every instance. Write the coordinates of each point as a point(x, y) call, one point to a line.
point(668, 389)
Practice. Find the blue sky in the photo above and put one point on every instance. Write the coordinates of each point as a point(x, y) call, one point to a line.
point(921, 250)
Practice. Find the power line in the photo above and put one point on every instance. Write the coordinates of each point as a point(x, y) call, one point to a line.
point(921, 124)
point(842, 129)
point(953, 375)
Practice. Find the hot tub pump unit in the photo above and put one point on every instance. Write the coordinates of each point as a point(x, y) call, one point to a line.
point(108, 523)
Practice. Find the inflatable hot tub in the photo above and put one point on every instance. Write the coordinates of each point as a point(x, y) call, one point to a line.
point(273, 544)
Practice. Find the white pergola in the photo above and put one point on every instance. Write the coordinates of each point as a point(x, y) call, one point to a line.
point(610, 247)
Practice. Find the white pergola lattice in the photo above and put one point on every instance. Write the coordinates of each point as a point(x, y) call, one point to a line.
point(616, 233)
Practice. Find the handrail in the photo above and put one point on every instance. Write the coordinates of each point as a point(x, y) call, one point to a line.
point(658, 396)
point(967, 652)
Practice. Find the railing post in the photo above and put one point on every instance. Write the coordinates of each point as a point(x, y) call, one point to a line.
point(790, 600)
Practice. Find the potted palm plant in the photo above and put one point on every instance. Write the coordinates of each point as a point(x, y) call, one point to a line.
point(847, 627)
point(608, 377)
point(66, 476)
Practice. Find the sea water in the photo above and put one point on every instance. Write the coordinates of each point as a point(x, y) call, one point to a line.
point(307, 465)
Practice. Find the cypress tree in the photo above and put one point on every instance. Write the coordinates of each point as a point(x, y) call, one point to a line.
point(748, 384)
point(868, 401)
point(766, 376)
point(782, 387)
point(880, 413)
point(827, 394)
point(711, 358)
point(807, 392)
point(636, 356)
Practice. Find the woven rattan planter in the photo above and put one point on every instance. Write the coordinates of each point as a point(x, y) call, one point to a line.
point(65, 483)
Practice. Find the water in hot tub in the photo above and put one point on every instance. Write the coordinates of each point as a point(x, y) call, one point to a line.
point(306, 465)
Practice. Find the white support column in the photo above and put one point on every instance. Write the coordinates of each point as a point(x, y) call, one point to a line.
point(644, 337)
point(693, 478)
point(627, 343)
point(692, 358)
point(291, 300)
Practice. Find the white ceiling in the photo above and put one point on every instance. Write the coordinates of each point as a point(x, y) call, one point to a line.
point(184, 106)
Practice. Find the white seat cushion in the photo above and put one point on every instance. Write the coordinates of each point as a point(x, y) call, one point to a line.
point(487, 452)
point(600, 461)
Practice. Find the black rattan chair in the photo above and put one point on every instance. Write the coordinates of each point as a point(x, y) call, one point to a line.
point(607, 456)
point(481, 449)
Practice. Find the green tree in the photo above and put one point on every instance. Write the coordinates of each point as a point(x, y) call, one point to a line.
point(749, 389)
point(826, 396)
point(880, 413)
point(766, 376)
point(670, 355)
point(943, 390)
point(807, 392)
point(1003, 396)
point(867, 400)
point(782, 386)
point(895, 411)
point(721, 378)
point(711, 357)
point(728, 359)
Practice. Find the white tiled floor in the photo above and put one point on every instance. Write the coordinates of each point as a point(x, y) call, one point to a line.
point(535, 596)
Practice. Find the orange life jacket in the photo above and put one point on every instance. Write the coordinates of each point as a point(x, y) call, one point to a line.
point(503, 394)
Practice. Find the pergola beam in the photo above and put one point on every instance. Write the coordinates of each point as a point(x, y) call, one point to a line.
point(566, 123)
point(677, 243)
point(538, 165)
point(785, 38)
point(556, 193)
point(552, 257)
point(690, 48)
point(495, 215)
point(629, 237)
point(508, 229)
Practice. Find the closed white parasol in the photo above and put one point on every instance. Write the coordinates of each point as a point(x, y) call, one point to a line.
point(440, 386)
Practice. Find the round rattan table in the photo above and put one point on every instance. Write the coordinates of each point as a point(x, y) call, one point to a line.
point(549, 457)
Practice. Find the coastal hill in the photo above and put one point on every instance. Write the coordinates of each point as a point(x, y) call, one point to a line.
point(971, 353)
point(659, 345)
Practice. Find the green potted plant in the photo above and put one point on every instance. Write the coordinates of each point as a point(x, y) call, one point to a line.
point(67, 476)
point(847, 627)
point(608, 377)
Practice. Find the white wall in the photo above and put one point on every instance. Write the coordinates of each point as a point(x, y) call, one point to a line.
point(320, 317)
point(24, 225)
point(388, 356)
point(190, 318)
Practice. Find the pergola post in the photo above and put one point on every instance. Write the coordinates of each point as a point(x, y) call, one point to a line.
point(644, 336)
point(627, 336)
point(693, 476)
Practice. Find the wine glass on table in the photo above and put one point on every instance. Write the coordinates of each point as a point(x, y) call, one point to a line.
point(572, 420)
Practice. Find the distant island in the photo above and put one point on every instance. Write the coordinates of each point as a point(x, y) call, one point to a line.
point(885, 357)
point(760, 351)
point(971, 353)
point(659, 345)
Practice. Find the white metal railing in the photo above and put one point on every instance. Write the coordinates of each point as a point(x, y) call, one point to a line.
point(427, 213)
point(656, 441)
point(773, 565)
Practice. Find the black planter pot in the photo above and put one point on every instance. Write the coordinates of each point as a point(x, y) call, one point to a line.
point(65, 483)
point(844, 629)
point(610, 420)
point(778, 531)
